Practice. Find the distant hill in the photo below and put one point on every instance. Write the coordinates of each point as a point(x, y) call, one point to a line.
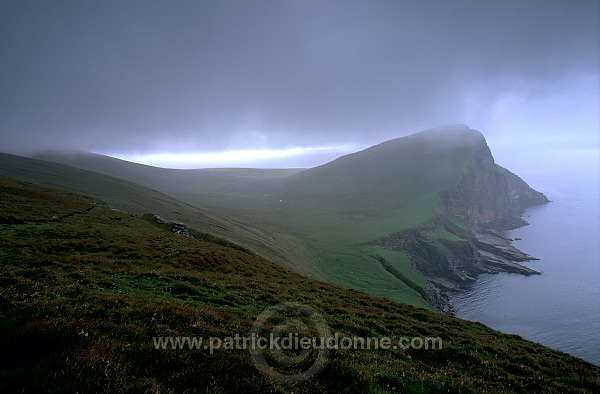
point(406, 219)
point(85, 291)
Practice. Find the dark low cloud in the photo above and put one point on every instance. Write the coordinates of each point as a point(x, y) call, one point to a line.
point(144, 76)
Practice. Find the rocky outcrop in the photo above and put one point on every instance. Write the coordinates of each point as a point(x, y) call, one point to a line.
point(442, 250)
point(177, 228)
point(182, 229)
point(451, 257)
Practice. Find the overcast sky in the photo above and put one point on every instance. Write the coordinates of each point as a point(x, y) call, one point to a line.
point(154, 77)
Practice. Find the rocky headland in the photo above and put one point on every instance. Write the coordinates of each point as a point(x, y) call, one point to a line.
point(468, 238)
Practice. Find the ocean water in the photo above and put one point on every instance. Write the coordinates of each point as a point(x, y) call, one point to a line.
point(560, 308)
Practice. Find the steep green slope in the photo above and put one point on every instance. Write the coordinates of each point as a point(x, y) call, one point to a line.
point(85, 288)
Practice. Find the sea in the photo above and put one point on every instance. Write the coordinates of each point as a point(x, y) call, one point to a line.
point(561, 307)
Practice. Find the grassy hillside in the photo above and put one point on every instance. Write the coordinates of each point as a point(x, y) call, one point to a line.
point(322, 221)
point(137, 199)
point(333, 210)
point(84, 288)
point(236, 199)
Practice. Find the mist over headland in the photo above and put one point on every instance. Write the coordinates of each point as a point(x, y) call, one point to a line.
point(137, 78)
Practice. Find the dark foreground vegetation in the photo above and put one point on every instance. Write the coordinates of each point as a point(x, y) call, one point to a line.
point(84, 288)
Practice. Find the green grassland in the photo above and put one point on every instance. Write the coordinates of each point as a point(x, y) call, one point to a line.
point(137, 199)
point(85, 287)
point(307, 241)
point(317, 221)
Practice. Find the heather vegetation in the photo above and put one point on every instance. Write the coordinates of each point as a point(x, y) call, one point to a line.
point(85, 287)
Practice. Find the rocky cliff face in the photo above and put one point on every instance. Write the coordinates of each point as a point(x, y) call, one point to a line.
point(489, 196)
point(520, 194)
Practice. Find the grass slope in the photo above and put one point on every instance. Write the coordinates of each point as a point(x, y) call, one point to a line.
point(84, 288)
point(137, 199)
point(330, 211)
point(246, 215)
